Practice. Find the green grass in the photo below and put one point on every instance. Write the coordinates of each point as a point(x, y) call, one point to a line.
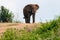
point(14, 34)
point(47, 31)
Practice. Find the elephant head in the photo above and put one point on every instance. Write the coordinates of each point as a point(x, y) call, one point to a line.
point(29, 10)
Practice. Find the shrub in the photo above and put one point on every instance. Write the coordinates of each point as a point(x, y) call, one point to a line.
point(5, 15)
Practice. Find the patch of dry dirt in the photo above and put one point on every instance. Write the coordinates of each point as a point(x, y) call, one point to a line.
point(5, 26)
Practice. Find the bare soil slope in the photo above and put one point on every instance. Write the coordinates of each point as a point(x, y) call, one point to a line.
point(5, 26)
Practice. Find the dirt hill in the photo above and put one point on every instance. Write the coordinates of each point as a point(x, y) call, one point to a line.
point(5, 26)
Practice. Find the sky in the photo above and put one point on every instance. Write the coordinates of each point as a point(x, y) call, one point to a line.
point(48, 9)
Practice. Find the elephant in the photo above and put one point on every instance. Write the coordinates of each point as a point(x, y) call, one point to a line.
point(30, 10)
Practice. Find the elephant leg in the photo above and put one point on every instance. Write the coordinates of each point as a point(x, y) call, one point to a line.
point(33, 16)
point(27, 19)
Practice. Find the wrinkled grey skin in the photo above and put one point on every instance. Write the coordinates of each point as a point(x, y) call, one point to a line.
point(30, 10)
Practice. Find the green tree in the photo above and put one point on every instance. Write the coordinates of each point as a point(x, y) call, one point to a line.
point(5, 15)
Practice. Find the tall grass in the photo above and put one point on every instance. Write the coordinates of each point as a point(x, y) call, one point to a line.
point(47, 31)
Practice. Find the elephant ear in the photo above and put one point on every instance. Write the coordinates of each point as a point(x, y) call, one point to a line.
point(35, 8)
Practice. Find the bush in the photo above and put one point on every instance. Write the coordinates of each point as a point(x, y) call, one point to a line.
point(5, 15)
point(49, 30)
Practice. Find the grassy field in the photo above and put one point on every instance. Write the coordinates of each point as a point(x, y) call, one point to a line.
point(40, 31)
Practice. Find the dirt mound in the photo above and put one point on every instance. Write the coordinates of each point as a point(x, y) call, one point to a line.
point(5, 26)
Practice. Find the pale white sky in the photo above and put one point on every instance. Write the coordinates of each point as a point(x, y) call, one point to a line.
point(47, 11)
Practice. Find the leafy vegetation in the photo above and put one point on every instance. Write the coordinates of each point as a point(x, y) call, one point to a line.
point(14, 34)
point(5, 15)
point(47, 31)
